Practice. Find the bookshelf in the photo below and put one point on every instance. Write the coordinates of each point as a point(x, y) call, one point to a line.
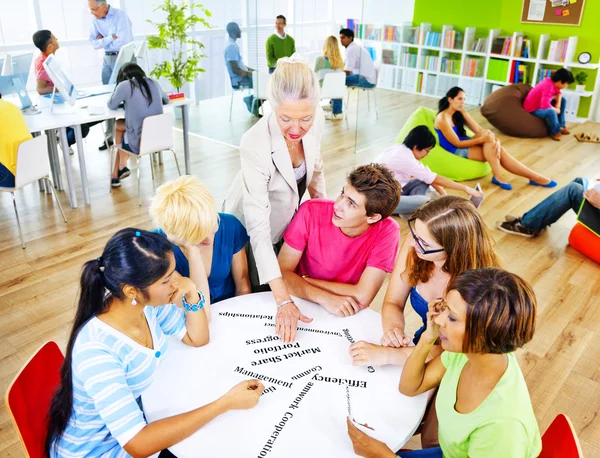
point(421, 60)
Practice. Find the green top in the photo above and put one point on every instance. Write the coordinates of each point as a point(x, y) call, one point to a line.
point(278, 48)
point(503, 425)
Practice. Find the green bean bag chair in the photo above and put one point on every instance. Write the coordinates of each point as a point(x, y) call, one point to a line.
point(439, 160)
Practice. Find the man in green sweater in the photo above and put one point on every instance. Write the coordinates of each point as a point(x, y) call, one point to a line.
point(279, 44)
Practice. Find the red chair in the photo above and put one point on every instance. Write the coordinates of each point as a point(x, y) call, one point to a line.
point(560, 440)
point(28, 397)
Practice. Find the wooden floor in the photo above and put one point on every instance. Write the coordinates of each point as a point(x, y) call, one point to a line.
point(38, 286)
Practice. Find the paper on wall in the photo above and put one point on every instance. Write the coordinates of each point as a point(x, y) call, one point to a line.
point(537, 8)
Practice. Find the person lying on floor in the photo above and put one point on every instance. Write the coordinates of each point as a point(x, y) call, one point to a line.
point(414, 177)
point(549, 210)
point(337, 254)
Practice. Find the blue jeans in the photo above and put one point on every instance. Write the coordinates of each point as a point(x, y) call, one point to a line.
point(414, 194)
point(336, 106)
point(549, 210)
point(554, 121)
point(358, 80)
point(425, 453)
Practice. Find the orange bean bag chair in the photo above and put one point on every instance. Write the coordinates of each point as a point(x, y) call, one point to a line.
point(585, 241)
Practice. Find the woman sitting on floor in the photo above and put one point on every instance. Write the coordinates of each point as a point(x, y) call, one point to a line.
point(483, 404)
point(204, 242)
point(118, 336)
point(142, 97)
point(484, 146)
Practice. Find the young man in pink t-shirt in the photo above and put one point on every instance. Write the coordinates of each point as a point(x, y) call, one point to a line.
point(546, 102)
point(337, 253)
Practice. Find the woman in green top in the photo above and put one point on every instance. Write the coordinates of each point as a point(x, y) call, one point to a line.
point(330, 61)
point(483, 405)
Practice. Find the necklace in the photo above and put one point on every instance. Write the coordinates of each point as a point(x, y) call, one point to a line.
point(127, 333)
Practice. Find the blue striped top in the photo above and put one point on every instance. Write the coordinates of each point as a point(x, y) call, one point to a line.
point(110, 373)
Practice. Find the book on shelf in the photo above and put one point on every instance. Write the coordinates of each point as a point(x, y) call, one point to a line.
point(501, 45)
point(451, 66)
point(392, 33)
point(412, 36)
point(432, 39)
point(518, 72)
point(409, 60)
point(480, 45)
point(419, 86)
point(558, 50)
point(473, 67)
point(453, 39)
point(389, 56)
point(429, 63)
point(544, 73)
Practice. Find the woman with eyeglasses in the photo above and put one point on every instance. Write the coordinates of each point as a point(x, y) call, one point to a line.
point(448, 237)
point(483, 404)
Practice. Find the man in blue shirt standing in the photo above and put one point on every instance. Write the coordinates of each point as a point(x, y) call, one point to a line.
point(239, 74)
point(110, 30)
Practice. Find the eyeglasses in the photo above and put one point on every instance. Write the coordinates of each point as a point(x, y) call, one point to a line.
point(414, 236)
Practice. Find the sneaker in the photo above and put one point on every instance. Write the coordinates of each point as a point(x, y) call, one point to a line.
point(124, 173)
point(71, 152)
point(515, 227)
point(565, 131)
point(115, 183)
point(334, 116)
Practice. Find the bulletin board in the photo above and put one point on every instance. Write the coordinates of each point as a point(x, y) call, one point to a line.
point(543, 12)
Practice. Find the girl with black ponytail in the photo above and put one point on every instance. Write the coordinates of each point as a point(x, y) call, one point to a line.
point(450, 126)
point(142, 97)
point(117, 339)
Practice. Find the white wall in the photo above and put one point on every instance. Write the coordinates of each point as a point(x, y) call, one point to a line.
point(379, 12)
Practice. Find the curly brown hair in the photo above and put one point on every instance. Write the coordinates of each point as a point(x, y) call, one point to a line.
point(379, 186)
point(456, 225)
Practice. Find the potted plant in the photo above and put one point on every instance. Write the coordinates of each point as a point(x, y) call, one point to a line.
point(173, 35)
point(580, 79)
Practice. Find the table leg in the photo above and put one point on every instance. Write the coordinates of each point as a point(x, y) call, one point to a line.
point(70, 184)
point(186, 138)
point(82, 167)
point(54, 160)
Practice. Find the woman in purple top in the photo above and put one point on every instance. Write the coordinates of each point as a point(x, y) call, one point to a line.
point(450, 126)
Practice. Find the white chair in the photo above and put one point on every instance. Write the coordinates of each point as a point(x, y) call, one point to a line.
point(334, 87)
point(32, 165)
point(235, 89)
point(368, 90)
point(157, 136)
point(260, 83)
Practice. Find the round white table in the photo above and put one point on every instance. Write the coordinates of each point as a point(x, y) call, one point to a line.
point(303, 410)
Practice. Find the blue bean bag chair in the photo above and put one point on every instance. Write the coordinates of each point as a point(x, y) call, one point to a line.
point(439, 160)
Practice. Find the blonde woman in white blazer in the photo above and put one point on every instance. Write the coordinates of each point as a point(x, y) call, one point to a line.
point(281, 160)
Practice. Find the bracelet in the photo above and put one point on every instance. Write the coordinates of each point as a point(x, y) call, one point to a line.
point(289, 301)
point(193, 307)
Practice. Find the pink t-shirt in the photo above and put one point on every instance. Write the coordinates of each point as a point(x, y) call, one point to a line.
point(539, 97)
point(330, 255)
point(40, 71)
point(400, 160)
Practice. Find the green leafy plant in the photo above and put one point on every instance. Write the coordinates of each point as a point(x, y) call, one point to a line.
point(581, 78)
point(174, 35)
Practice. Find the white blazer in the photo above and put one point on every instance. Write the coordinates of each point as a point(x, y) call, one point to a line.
point(264, 194)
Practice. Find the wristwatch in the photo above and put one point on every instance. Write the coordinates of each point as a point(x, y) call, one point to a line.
point(193, 307)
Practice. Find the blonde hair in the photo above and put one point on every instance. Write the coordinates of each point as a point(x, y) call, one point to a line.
point(331, 50)
point(185, 209)
point(293, 79)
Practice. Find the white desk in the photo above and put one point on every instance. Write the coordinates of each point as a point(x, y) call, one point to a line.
point(191, 377)
point(49, 121)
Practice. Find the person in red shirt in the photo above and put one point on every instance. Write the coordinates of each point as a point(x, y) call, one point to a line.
point(546, 102)
point(337, 253)
point(47, 43)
